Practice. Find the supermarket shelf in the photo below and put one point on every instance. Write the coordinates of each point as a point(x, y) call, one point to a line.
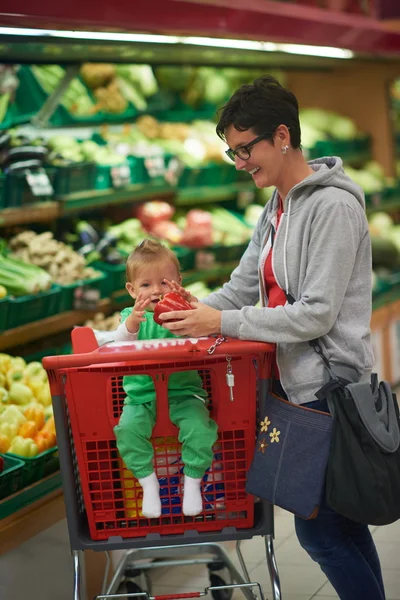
point(51, 325)
point(97, 198)
point(31, 494)
point(392, 206)
point(40, 212)
point(215, 272)
point(203, 194)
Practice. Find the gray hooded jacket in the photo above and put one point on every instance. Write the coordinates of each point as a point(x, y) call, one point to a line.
point(322, 257)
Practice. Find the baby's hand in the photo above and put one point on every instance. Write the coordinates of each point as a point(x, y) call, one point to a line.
point(176, 287)
point(139, 308)
point(137, 315)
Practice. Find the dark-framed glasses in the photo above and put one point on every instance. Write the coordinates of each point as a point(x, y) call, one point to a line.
point(244, 151)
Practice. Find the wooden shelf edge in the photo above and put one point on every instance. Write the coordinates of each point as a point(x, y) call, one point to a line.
point(51, 325)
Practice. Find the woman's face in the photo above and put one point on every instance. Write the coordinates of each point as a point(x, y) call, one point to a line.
point(265, 161)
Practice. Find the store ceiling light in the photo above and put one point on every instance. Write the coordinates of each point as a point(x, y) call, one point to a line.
point(322, 51)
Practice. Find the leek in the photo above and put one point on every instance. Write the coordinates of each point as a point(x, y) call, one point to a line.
point(21, 278)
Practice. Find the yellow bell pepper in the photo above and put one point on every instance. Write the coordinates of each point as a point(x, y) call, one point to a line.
point(5, 363)
point(24, 447)
point(48, 411)
point(28, 429)
point(4, 443)
point(35, 412)
point(36, 385)
point(3, 396)
point(20, 393)
point(12, 415)
point(34, 369)
point(15, 375)
point(9, 430)
point(44, 396)
point(17, 362)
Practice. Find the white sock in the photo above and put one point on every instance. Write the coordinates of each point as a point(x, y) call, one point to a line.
point(151, 505)
point(192, 500)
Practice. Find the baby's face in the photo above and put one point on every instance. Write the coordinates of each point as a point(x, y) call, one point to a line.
point(149, 282)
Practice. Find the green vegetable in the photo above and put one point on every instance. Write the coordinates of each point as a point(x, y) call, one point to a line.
point(4, 101)
point(21, 278)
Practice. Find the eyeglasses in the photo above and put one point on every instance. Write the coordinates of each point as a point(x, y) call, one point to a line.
point(244, 151)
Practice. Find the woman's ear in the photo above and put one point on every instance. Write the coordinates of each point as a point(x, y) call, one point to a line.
point(282, 135)
point(130, 290)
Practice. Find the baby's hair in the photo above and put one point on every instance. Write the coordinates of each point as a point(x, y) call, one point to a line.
point(146, 253)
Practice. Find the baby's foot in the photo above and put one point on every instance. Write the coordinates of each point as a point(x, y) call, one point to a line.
point(192, 500)
point(151, 504)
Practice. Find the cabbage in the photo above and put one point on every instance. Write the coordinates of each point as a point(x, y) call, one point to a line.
point(310, 135)
point(329, 123)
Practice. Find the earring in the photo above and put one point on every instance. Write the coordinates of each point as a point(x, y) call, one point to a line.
point(285, 149)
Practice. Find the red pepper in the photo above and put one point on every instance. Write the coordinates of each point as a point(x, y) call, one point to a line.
point(169, 302)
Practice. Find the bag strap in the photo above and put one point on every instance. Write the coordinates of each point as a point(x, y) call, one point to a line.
point(315, 344)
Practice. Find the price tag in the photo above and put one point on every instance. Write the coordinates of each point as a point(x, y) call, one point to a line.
point(39, 183)
point(121, 176)
point(86, 298)
point(246, 198)
point(174, 170)
point(155, 166)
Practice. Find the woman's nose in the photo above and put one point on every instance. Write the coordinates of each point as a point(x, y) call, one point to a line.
point(239, 163)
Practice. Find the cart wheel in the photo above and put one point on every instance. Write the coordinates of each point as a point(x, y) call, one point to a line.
point(216, 580)
point(129, 587)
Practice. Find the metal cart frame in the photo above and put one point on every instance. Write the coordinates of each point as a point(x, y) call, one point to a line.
point(158, 550)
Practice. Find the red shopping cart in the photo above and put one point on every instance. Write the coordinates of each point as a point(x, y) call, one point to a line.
point(103, 500)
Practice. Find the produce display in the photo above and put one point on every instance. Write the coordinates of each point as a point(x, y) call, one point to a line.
point(385, 240)
point(26, 421)
point(318, 125)
point(59, 260)
point(18, 278)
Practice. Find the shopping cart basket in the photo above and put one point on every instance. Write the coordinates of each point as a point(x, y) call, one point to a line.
point(103, 500)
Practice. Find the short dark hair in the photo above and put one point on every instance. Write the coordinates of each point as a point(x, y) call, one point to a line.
point(262, 106)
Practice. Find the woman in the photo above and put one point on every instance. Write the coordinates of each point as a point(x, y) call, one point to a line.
point(311, 246)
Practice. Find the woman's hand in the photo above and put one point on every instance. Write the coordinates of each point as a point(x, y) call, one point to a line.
point(201, 321)
point(137, 315)
point(176, 287)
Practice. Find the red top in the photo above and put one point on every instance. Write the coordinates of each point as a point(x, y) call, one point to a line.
point(276, 295)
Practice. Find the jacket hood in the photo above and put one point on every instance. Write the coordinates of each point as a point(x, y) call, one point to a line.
point(329, 172)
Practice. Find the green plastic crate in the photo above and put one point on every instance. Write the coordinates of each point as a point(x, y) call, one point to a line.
point(356, 150)
point(17, 191)
point(11, 479)
point(40, 354)
point(4, 306)
point(68, 292)
point(39, 466)
point(115, 276)
point(105, 180)
point(74, 178)
point(186, 257)
point(28, 309)
point(225, 254)
point(2, 191)
point(28, 496)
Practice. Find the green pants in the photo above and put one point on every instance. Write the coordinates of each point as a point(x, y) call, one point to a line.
point(197, 434)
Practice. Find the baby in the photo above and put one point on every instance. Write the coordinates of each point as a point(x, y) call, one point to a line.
point(152, 270)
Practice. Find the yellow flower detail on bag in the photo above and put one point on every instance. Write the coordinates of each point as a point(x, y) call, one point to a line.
point(274, 435)
point(263, 445)
point(264, 424)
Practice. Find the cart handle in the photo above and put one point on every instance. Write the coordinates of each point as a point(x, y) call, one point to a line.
point(178, 596)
